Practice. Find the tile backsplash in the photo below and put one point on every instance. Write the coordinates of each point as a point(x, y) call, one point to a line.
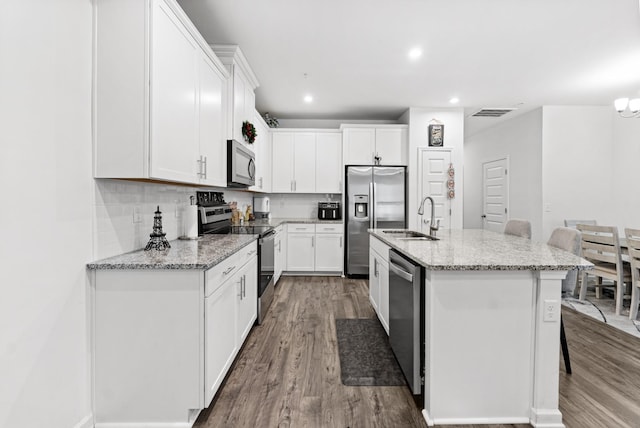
point(124, 211)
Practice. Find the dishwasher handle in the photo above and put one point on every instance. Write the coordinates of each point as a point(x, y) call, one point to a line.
point(407, 276)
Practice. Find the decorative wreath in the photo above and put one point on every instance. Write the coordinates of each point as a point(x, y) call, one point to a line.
point(249, 132)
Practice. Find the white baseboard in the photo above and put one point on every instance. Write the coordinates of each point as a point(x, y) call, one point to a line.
point(472, 421)
point(86, 422)
point(546, 418)
point(144, 425)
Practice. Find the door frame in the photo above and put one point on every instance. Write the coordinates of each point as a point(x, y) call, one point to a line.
point(421, 151)
point(507, 186)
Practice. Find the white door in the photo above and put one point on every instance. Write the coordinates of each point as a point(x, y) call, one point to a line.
point(495, 195)
point(174, 105)
point(282, 162)
point(304, 162)
point(434, 175)
point(390, 146)
point(329, 169)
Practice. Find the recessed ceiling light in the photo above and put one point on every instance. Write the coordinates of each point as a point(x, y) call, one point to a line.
point(308, 98)
point(415, 53)
point(454, 100)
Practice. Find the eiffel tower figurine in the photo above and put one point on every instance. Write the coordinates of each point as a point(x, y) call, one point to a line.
point(158, 241)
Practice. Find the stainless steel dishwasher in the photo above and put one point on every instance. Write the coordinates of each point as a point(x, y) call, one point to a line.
point(406, 317)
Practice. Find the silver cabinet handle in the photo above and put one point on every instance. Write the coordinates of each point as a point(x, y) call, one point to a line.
point(313, 238)
point(341, 242)
point(375, 267)
point(280, 246)
point(199, 161)
point(205, 167)
point(244, 286)
point(261, 182)
point(295, 185)
point(226, 272)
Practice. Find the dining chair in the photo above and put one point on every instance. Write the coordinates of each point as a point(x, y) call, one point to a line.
point(518, 227)
point(633, 245)
point(573, 223)
point(601, 246)
point(569, 240)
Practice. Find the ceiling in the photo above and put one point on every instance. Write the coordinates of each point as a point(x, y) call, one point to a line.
point(352, 55)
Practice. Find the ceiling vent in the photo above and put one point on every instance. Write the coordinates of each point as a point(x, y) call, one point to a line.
point(493, 112)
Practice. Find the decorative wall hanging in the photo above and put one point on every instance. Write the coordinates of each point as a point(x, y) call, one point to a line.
point(436, 133)
point(249, 132)
point(451, 183)
point(271, 121)
point(158, 241)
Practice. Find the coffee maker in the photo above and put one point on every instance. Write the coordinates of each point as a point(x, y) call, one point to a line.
point(261, 207)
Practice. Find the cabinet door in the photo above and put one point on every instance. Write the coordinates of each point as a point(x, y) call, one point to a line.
point(213, 147)
point(174, 147)
point(329, 170)
point(239, 116)
point(300, 252)
point(390, 146)
point(247, 298)
point(374, 282)
point(282, 177)
point(221, 343)
point(359, 145)
point(267, 161)
point(277, 258)
point(304, 162)
point(383, 285)
point(328, 252)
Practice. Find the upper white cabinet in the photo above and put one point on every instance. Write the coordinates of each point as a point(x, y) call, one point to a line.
point(365, 144)
point(159, 95)
point(262, 149)
point(306, 161)
point(241, 86)
point(329, 162)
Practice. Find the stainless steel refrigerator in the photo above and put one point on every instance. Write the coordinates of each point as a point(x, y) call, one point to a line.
point(375, 198)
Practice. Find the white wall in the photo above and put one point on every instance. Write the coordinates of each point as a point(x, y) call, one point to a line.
point(45, 220)
point(326, 123)
point(577, 166)
point(520, 141)
point(299, 205)
point(418, 120)
point(626, 157)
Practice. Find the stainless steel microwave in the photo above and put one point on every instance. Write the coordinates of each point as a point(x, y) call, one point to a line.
point(241, 165)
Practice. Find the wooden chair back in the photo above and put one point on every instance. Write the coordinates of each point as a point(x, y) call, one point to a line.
point(573, 223)
point(518, 227)
point(633, 245)
point(601, 246)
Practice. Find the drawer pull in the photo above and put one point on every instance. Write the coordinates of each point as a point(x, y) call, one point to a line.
point(226, 272)
point(251, 253)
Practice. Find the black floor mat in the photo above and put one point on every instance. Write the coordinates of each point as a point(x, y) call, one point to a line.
point(366, 358)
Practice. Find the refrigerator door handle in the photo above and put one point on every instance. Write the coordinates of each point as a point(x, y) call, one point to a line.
point(375, 219)
point(371, 205)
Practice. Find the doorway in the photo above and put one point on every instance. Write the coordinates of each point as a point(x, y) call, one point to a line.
point(433, 165)
point(495, 194)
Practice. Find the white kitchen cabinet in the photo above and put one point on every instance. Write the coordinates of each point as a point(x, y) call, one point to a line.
point(177, 330)
point(280, 252)
point(300, 247)
point(379, 280)
point(294, 162)
point(329, 248)
point(363, 144)
point(262, 149)
point(241, 86)
point(159, 91)
point(329, 169)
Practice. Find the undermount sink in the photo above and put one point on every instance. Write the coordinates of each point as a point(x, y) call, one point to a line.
point(409, 235)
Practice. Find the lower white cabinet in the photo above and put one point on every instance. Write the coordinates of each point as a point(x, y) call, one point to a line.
point(329, 247)
point(300, 247)
point(379, 280)
point(164, 339)
point(279, 252)
point(314, 247)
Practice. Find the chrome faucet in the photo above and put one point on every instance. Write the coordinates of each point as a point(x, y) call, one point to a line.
point(433, 227)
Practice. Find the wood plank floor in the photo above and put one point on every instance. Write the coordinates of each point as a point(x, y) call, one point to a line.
point(288, 374)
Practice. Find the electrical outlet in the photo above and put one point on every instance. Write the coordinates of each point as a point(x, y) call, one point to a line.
point(551, 311)
point(177, 208)
point(137, 216)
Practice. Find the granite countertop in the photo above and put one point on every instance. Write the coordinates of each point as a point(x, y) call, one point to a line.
point(203, 253)
point(275, 222)
point(476, 249)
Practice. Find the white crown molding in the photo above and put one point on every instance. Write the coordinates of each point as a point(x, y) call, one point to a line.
point(232, 55)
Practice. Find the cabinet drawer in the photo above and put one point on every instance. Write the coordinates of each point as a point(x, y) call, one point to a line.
point(217, 275)
point(379, 247)
point(301, 228)
point(330, 228)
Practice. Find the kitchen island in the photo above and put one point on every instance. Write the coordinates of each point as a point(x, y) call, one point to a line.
point(491, 326)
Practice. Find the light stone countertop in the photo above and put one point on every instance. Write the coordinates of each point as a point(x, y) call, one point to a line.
point(203, 253)
point(477, 249)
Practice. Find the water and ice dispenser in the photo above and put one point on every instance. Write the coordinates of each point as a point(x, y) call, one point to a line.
point(361, 203)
